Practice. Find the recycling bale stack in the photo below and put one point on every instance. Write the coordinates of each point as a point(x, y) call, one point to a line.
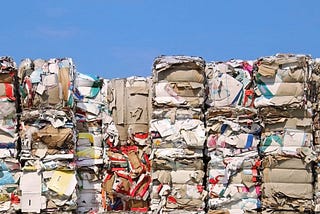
point(286, 146)
point(178, 135)
point(233, 136)
point(314, 96)
point(48, 136)
point(127, 170)
point(10, 167)
point(91, 111)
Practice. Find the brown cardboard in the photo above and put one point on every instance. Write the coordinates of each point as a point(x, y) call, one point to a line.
point(135, 162)
point(53, 95)
point(182, 74)
point(288, 190)
point(53, 137)
point(187, 89)
point(137, 103)
point(64, 79)
point(282, 162)
point(287, 175)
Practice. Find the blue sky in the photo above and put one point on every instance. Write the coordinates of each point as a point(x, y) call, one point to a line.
point(118, 38)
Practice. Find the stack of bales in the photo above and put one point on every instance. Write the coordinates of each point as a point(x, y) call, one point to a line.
point(178, 135)
point(91, 111)
point(10, 168)
point(314, 95)
point(127, 170)
point(48, 136)
point(287, 140)
point(233, 135)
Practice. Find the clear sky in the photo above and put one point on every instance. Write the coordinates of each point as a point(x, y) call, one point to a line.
point(118, 38)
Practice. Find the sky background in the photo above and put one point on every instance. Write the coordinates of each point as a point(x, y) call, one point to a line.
point(121, 38)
